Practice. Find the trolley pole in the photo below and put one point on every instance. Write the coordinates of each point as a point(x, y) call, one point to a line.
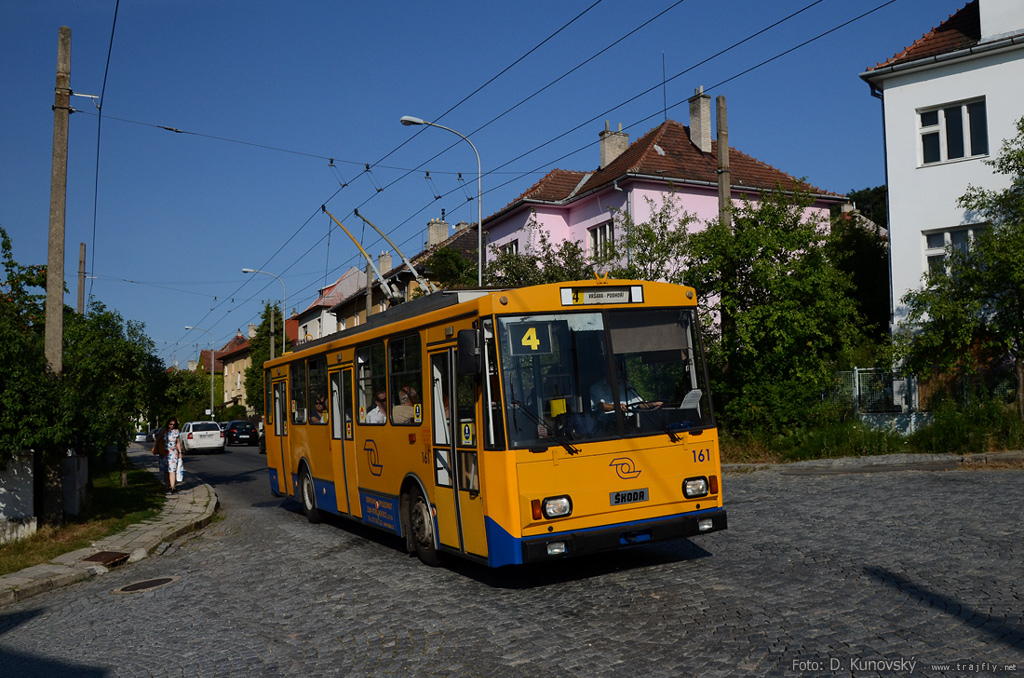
point(54, 335)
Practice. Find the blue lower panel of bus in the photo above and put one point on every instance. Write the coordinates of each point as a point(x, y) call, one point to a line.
point(504, 549)
point(380, 511)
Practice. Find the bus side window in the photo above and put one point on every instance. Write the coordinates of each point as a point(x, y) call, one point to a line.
point(318, 412)
point(406, 375)
point(494, 421)
point(370, 382)
point(299, 392)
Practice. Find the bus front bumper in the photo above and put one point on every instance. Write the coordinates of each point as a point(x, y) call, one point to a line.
point(559, 545)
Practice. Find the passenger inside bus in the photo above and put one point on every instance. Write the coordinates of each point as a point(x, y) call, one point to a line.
point(319, 413)
point(405, 411)
point(378, 413)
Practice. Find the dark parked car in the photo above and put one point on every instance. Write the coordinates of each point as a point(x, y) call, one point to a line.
point(241, 433)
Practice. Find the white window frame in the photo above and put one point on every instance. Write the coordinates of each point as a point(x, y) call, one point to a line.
point(941, 129)
point(511, 247)
point(935, 254)
point(600, 238)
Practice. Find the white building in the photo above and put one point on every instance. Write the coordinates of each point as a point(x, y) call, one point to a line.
point(948, 101)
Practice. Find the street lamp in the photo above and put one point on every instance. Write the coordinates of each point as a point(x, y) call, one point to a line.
point(213, 357)
point(284, 306)
point(409, 120)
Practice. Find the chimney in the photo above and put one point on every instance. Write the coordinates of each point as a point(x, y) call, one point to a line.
point(384, 262)
point(252, 330)
point(700, 120)
point(437, 231)
point(613, 144)
point(1000, 18)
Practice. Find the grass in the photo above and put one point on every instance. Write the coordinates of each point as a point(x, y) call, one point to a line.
point(110, 509)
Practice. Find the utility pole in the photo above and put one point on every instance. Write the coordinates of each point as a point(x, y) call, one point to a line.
point(724, 176)
point(81, 279)
point(54, 335)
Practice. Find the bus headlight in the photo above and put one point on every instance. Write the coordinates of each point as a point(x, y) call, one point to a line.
point(557, 507)
point(695, 487)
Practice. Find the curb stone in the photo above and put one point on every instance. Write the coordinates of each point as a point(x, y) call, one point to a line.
point(885, 463)
point(189, 509)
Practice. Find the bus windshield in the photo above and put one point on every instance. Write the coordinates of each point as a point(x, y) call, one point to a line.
point(573, 377)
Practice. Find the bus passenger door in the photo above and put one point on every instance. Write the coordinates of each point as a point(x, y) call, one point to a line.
point(342, 447)
point(280, 389)
point(460, 514)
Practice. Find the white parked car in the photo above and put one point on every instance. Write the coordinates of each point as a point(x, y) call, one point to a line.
point(202, 436)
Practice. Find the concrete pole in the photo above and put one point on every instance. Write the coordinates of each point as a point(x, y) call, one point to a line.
point(81, 279)
point(54, 334)
point(724, 176)
point(273, 312)
point(369, 291)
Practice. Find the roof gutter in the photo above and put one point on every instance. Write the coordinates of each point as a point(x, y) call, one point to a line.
point(734, 187)
point(614, 183)
point(978, 50)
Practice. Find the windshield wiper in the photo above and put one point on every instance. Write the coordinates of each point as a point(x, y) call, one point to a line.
point(569, 447)
point(660, 420)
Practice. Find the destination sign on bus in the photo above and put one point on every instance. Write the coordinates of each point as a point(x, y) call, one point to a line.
point(584, 296)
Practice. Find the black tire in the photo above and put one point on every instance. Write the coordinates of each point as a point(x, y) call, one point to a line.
point(307, 495)
point(421, 527)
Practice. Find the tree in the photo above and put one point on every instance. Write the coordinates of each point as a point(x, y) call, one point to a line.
point(540, 262)
point(864, 256)
point(450, 269)
point(972, 312)
point(109, 364)
point(27, 387)
point(187, 395)
point(651, 250)
point(96, 401)
point(259, 353)
point(873, 203)
point(791, 323)
point(777, 315)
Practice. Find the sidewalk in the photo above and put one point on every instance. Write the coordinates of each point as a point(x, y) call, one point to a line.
point(191, 508)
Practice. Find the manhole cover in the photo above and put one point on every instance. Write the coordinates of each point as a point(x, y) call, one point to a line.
point(147, 585)
point(107, 558)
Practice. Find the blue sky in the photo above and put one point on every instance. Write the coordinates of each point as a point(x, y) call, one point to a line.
point(267, 92)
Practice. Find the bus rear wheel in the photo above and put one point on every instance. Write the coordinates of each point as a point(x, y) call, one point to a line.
point(421, 524)
point(308, 495)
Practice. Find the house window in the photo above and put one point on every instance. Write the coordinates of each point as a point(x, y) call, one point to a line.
point(511, 247)
point(601, 239)
point(953, 132)
point(938, 245)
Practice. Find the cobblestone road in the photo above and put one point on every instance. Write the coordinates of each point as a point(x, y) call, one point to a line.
point(898, 573)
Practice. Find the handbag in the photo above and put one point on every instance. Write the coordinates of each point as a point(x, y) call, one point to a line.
point(160, 445)
point(181, 470)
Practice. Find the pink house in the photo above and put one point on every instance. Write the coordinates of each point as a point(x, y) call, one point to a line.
point(670, 159)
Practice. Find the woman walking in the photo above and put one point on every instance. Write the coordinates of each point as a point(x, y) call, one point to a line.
point(170, 461)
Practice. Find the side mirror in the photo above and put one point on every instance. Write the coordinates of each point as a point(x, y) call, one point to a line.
point(468, 352)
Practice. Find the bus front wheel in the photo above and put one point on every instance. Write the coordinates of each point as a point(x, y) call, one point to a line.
point(308, 492)
point(421, 524)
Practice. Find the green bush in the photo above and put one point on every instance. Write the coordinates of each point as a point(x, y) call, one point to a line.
point(839, 438)
point(982, 426)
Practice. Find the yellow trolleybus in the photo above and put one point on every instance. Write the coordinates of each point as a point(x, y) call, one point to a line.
point(506, 426)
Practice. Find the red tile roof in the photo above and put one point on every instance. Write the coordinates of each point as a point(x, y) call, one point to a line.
point(666, 152)
point(237, 344)
point(960, 31)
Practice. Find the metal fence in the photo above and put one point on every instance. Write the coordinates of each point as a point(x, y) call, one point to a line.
point(874, 390)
